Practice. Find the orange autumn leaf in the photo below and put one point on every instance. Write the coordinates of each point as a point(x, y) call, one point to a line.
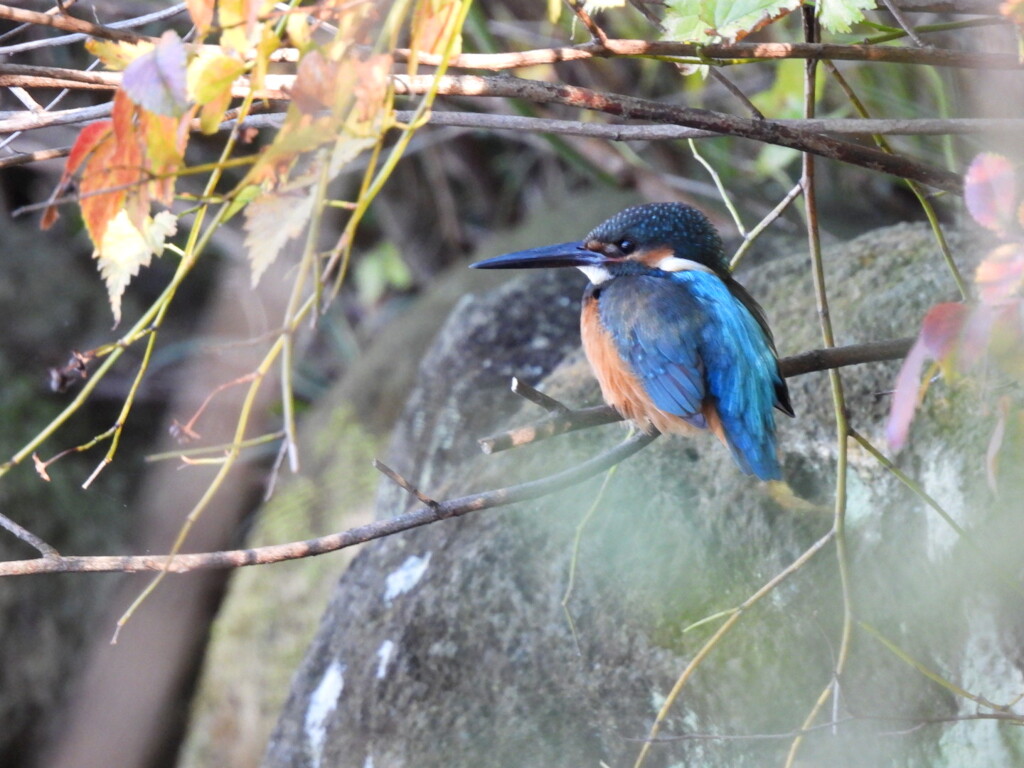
point(164, 139)
point(433, 23)
point(113, 173)
point(101, 188)
point(88, 139)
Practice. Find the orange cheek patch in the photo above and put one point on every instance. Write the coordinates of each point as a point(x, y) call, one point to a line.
point(652, 257)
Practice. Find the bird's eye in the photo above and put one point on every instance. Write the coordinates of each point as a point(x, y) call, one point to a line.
point(626, 246)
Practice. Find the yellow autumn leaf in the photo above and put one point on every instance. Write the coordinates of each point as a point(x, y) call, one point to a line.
point(117, 55)
point(210, 77)
point(125, 250)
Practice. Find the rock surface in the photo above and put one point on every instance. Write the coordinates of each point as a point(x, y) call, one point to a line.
point(550, 633)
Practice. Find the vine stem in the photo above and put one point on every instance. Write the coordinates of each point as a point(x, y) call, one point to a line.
point(831, 690)
point(925, 203)
point(727, 625)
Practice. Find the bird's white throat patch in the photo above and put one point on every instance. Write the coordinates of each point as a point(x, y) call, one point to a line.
point(676, 264)
point(596, 274)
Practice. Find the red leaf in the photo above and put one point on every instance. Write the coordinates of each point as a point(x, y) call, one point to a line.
point(88, 139)
point(939, 332)
point(156, 80)
point(941, 328)
point(990, 191)
point(86, 142)
point(904, 399)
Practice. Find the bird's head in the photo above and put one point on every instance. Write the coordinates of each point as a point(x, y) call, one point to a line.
point(657, 239)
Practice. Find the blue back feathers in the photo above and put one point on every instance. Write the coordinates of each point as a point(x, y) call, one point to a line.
point(693, 337)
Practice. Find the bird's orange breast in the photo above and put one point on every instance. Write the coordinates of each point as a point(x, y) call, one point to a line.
point(620, 387)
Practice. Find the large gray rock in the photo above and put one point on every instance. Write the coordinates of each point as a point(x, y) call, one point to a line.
point(450, 645)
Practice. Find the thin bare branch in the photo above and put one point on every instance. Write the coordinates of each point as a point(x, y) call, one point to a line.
point(27, 74)
point(53, 42)
point(734, 89)
point(464, 505)
point(634, 108)
point(404, 484)
point(905, 25)
point(28, 537)
point(581, 13)
point(67, 23)
point(28, 121)
point(852, 126)
point(797, 365)
point(537, 397)
point(927, 55)
point(26, 158)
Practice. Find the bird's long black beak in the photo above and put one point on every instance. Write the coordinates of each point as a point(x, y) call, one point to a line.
point(561, 255)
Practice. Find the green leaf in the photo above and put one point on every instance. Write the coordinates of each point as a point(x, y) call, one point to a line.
point(722, 20)
point(840, 15)
point(380, 271)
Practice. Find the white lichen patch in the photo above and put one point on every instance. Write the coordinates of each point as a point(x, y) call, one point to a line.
point(322, 704)
point(384, 654)
point(406, 576)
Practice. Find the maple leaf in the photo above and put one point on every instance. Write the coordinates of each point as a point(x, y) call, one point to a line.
point(103, 185)
point(274, 219)
point(164, 140)
point(156, 80)
point(125, 249)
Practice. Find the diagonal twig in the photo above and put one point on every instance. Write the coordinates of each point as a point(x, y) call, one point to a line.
point(67, 23)
point(537, 397)
point(28, 537)
point(464, 505)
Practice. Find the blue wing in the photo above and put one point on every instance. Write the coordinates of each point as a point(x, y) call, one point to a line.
point(691, 341)
point(656, 326)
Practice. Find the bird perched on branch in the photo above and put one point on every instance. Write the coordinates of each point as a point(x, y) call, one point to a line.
point(676, 344)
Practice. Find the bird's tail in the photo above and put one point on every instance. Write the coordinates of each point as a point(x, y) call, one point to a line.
point(751, 439)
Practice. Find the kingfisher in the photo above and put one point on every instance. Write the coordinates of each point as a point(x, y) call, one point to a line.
point(675, 342)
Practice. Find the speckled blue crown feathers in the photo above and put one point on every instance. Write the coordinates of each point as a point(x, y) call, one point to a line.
point(686, 230)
